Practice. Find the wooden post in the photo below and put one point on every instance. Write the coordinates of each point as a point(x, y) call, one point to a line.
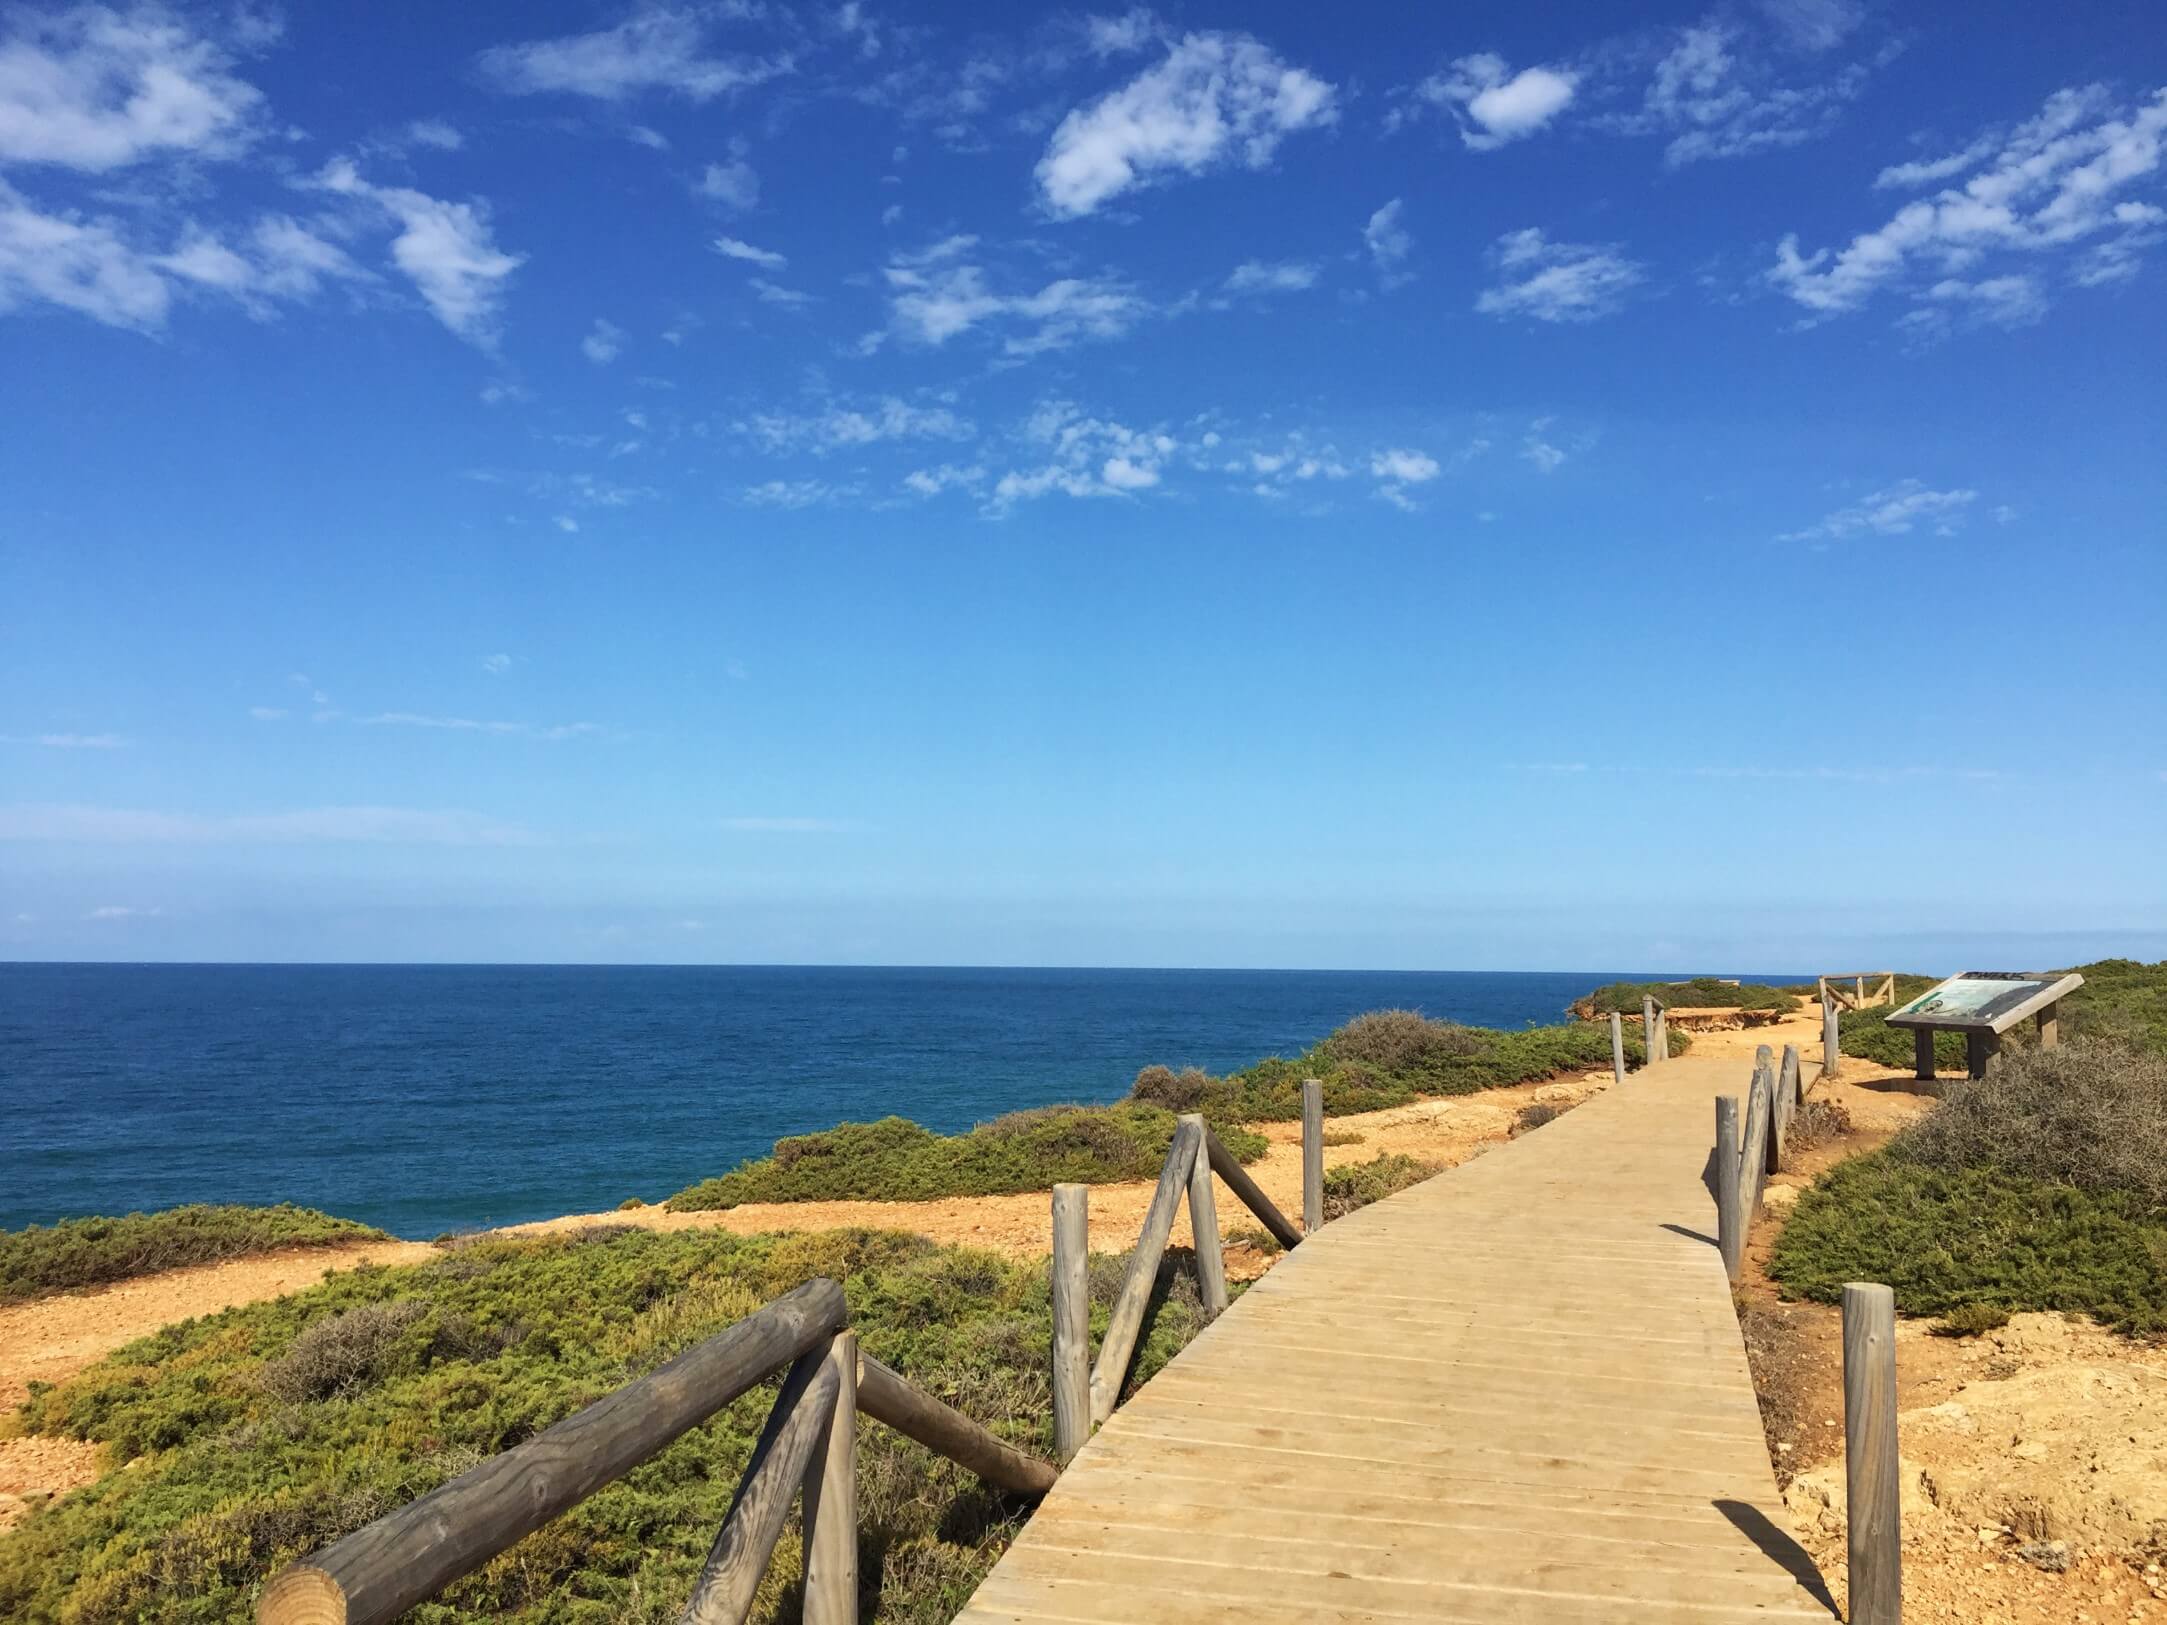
point(2049, 1023)
point(1647, 1030)
point(1128, 1317)
point(1786, 1105)
point(1859, 1003)
point(1753, 1152)
point(1796, 1074)
point(1874, 1494)
point(916, 1414)
point(1225, 1165)
point(1820, 986)
point(1979, 1046)
point(1730, 1213)
point(1922, 1053)
point(408, 1556)
point(1204, 1227)
point(789, 1443)
point(1071, 1320)
point(1617, 1047)
point(1312, 1156)
point(1831, 1041)
point(829, 1499)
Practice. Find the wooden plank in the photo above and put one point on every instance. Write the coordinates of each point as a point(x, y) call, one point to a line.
point(380, 1571)
point(1224, 1164)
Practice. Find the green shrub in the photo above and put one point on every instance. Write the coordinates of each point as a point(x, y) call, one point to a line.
point(1388, 1058)
point(267, 1431)
point(896, 1160)
point(1980, 1237)
point(89, 1252)
point(1357, 1184)
point(1701, 993)
point(2122, 1001)
point(1868, 1035)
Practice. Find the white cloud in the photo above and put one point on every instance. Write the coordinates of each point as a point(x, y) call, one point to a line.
point(658, 48)
point(496, 665)
point(787, 826)
point(931, 482)
point(1258, 276)
point(766, 259)
point(445, 249)
point(79, 265)
point(1541, 454)
point(1127, 474)
point(566, 523)
point(1922, 171)
point(522, 730)
point(1217, 99)
point(67, 741)
point(123, 911)
point(839, 426)
point(128, 826)
point(92, 88)
point(2051, 187)
point(734, 184)
point(1815, 25)
point(1716, 97)
point(1897, 511)
point(1388, 243)
point(1405, 467)
point(774, 293)
point(938, 294)
point(269, 713)
point(1081, 456)
point(603, 344)
point(1495, 105)
point(1557, 282)
point(794, 493)
point(434, 133)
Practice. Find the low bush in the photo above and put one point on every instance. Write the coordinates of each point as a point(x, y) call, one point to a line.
point(896, 1160)
point(1355, 1185)
point(1701, 993)
point(1388, 1058)
point(1533, 1116)
point(89, 1252)
point(254, 1436)
point(2041, 1186)
point(1868, 1035)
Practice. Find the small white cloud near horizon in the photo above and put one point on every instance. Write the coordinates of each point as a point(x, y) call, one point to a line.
point(269, 713)
point(1217, 99)
point(1494, 105)
point(123, 911)
point(659, 47)
point(1557, 282)
point(788, 826)
point(1260, 276)
point(51, 822)
point(496, 665)
point(64, 741)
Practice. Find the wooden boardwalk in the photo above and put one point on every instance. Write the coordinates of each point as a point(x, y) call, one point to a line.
point(1515, 1393)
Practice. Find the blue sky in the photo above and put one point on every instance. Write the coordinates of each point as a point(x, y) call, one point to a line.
point(1465, 487)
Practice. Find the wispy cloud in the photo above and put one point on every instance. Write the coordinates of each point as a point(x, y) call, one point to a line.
point(1217, 99)
point(68, 741)
point(1897, 511)
point(132, 826)
point(731, 248)
point(1389, 244)
point(1282, 276)
point(1718, 93)
point(1494, 105)
point(940, 293)
point(496, 665)
point(788, 826)
point(1557, 282)
point(446, 249)
point(844, 424)
point(2056, 188)
point(520, 730)
point(603, 343)
point(658, 48)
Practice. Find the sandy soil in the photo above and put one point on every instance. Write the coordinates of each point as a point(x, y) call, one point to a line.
point(50, 1339)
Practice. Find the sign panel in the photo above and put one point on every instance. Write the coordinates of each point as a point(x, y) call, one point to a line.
point(1992, 1000)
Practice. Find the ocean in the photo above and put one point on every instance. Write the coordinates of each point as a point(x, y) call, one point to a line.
point(424, 1099)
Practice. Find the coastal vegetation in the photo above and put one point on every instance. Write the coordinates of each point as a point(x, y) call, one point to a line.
point(2042, 1186)
point(91, 1252)
point(896, 1160)
point(1357, 1184)
point(237, 1442)
point(1387, 1058)
point(1700, 993)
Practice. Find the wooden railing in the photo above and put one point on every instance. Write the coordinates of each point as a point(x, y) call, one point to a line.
point(805, 1451)
point(1084, 1392)
point(1744, 1158)
point(1857, 991)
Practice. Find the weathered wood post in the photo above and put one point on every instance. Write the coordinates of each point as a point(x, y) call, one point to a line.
point(1860, 984)
point(829, 1500)
point(1922, 1053)
point(1873, 1491)
point(1071, 1320)
point(1647, 1030)
point(1204, 1226)
point(1831, 1041)
point(1312, 1156)
point(1979, 1048)
point(1753, 1150)
point(1127, 1319)
point(1730, 1209)
point(1786, 1103)
point(2049, 1023)
point(1617, 1047)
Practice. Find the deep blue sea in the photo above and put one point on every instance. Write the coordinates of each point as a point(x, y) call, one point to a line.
point(433, 1098)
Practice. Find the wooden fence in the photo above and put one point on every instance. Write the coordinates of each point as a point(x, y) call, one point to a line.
point(1857, 991)
point(805, 1451)
point(1744, 1158)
